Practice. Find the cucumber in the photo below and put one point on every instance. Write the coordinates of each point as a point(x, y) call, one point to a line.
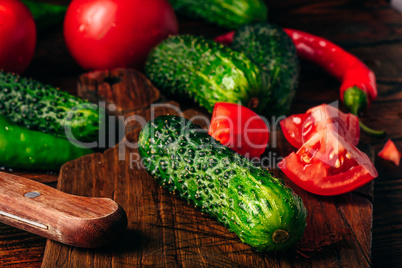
point(226, 13)
point(186, 161)
point(44, 108)
point(270, 47)
point(192, 67)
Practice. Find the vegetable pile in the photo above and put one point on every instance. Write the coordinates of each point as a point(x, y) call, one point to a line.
point(252, 70)
point(358, 87)
point(39, 122)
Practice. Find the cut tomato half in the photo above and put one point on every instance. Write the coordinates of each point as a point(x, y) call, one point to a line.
point(299, 128)
point(239, 128)
point(390, 152)
point(328, 164)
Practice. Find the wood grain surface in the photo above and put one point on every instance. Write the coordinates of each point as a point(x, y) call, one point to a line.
point(170, 233)
point(368, 28)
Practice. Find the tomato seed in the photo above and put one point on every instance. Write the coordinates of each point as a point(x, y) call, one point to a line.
point(337, 163)
point(305, 158)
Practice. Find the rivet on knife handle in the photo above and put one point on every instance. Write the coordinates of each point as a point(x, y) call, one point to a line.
point(73, 220)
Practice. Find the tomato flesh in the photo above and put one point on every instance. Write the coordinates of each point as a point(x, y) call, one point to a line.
point(299, 128)
point(390, 152)
point(17, 35)
point(328, 164)
point(239, 128)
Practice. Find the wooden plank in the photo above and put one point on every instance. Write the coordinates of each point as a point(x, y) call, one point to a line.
point(165, 231)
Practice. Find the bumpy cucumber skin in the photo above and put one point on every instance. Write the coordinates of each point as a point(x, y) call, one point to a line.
point(36, 106)
point(188, 162)
point(270, 47)
point(206, 72)
point(229, 14)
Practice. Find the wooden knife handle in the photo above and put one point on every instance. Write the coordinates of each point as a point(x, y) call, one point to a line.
point(73, 220)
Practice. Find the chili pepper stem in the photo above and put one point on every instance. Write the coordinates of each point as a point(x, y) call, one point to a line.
point(371, 132)
point(356, 100)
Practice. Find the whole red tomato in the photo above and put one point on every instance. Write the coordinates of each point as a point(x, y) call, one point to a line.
point(103, 34)
point(17, 36)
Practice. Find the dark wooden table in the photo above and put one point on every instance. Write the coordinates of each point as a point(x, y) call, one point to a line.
point(369, 29)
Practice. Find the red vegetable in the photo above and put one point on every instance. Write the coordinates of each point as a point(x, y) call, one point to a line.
point(390, 152)
point(299, 128)
point(103, 34)
point(336, 61)
point(327, 164)
point(358, 87)
point(17, 35)
point(239, 128)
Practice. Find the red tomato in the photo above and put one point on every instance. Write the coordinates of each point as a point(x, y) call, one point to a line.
point(17, 36)
point(103, 34)
point(390, 152)
point(299, 128)
point(328, 164)
point(239, 128)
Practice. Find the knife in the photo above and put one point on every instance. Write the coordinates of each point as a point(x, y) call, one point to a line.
point(78, 221)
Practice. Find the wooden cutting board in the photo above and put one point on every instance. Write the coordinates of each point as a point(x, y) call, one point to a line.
point(164, 231)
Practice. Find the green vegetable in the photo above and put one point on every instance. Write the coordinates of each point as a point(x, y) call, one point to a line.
point(36, 106)
point(226, 13)
point(270, 47)
point(207, 72)
point(185, 160)
point(46, 15)
point(27, 149)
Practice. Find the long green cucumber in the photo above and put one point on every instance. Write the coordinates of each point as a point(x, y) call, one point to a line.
point(186, 161)
point(226, 13)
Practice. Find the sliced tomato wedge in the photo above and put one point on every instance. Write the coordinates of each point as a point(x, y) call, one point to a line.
point(299, 128)
point(390, 152)
point(328, 164)
point(239, 128)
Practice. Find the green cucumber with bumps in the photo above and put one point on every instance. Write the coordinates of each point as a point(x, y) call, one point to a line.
point(44, 108)
point(185, 160)
point(271, 48)
point(186, 66)
point(229, 14)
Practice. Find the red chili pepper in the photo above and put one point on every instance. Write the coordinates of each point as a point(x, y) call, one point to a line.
point(358, 87)
point(336, 61)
